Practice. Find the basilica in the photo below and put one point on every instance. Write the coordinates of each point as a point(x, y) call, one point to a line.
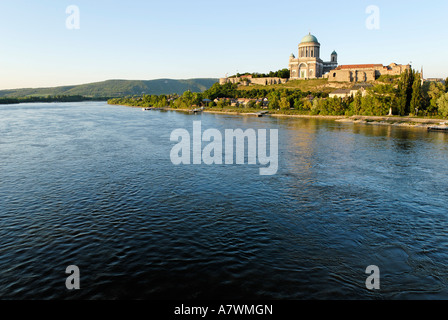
point(308, 64)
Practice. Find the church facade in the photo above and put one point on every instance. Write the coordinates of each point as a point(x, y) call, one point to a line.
point(308, 64)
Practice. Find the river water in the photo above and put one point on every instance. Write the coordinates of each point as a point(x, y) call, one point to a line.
point(93, 185)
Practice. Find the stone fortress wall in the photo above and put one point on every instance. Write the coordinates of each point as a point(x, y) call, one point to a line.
point(247, 80)
point(364, 72)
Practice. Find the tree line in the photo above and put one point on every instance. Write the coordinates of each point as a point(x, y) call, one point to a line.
point(60, 98)
point(224, 94)
point(408, 95)
point(403, 95)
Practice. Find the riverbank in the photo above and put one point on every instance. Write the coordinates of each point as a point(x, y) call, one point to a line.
point(424, 123)
point(372, 120)
point(416, 122)
point(271, 113)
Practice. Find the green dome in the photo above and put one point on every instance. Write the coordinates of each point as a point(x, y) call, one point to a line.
point(309, 38)
point(334, 52)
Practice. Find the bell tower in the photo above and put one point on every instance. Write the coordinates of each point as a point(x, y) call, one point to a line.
point(334, 57)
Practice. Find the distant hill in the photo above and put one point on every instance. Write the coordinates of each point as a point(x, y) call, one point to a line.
point(116, 88)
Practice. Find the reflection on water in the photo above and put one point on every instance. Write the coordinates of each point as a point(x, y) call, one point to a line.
point(92, 185)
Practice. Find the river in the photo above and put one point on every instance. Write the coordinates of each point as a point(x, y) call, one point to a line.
point(92, 185)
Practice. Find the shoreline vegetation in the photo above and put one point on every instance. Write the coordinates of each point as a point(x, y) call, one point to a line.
point(49, 99)
point(411, 122)
point(405, 100)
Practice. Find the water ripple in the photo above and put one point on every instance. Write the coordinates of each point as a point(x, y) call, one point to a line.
point(92, 185)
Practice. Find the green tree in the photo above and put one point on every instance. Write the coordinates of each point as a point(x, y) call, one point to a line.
point(187, 99)
point(274, 98)
point(357, 103)
point(435, 91)
point(220, 104)
point(251, 104)
point(446, 85)
point(298, 104)
point(416, 99)
point(405, 92)
point(197, 98)
point(442, 104)
point(274, 103)
point(319, 107)
point(307, 105)
point(284, 102)
point(284, 73)
point(227, 90)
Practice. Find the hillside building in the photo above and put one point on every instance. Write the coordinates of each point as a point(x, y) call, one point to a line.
point(308, 64)
point(365, 72)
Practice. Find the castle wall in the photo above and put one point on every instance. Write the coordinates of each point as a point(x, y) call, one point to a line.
point(267, 81)
point(340, 76)
point(364, 73)
point(259, 81)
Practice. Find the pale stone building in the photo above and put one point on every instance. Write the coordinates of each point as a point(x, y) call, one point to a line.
point(365, 72)
point(248, 80)
point(309, 65)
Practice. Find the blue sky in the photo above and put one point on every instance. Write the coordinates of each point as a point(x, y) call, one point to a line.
point(145, 40)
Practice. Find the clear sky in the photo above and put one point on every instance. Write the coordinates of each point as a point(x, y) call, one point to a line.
point(182, 39)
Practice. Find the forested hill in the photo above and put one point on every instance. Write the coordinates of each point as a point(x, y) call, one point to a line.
point(116, 88)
